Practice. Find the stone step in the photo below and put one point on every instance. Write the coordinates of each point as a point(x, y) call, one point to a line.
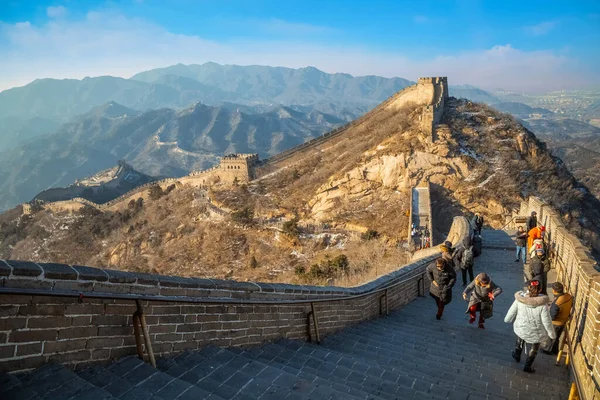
point(54, 381)
point(412, 378)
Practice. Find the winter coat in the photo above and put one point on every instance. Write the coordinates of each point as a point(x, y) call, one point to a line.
point(478, 222)
point(521, 239)
point(560, 310)
point(480, 294)
point(538, 267)
point(449, 258)
point(531, 317)
point(457, 256)
point(445, 280)
point(535, 233)
point(531, 223)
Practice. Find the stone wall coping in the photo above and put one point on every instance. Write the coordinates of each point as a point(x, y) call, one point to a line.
point(57, 279)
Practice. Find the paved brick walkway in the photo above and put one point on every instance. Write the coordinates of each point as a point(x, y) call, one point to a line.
point(407, 355)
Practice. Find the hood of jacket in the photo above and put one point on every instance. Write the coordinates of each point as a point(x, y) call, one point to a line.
point(540, 300)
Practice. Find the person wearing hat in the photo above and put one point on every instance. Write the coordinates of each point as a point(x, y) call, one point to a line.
point(538, 268)
point(560, 311)
point(531, 221)
point(535, 234)
point(483, 292)
point(531, 321)
point(442, 277)
point(448, 253)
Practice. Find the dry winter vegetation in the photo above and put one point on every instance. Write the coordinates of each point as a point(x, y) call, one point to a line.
point(287, 226)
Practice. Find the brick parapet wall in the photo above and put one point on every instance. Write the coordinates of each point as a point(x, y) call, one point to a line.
point(48, 325)
point(578, 271)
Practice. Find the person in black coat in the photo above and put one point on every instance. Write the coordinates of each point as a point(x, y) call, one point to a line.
point(532, 221)
point(539, 267)
point(442, 277)
point(477, 223)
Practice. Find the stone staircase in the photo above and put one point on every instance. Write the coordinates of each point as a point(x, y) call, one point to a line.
point(406, 355)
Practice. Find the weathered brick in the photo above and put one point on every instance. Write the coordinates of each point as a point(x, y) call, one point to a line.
point(171, 319)
point(81, 355)
point(99, 343)
point(210, 326)
point(64, 345)
point(138, 289)
point(111, 288)
point(168, 337)
point(85, 309)
point(115, 330)
point(42, 309)
point(15, 299)
point(118, 320)
point(190, 319)
point(162, 348)
point(172, 291)
point(185, 346)
point(120, 309)
point(162, 328)
point(28, 284)
point(29, 349)
point(120, 352)
point(208, 317)
point(101, 354)
point(22, 363)
point(78, 332)
point(189, 328)
point(49, 322)
point(77, 286)
point(7, 351)
point(31, 336)
point(5, 269)
point(53, 300)
point(6, 311)
point(120, 276)
point(81, 321)
point(193, 309)
point(10, 323)
point(166, 310)
point(3, 337)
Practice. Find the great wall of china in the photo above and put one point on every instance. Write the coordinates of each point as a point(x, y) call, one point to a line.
point(428, 92)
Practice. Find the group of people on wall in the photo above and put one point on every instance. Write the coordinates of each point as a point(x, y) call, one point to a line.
point(536, 321)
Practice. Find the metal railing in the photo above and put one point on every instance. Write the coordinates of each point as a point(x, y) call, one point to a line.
point(139, 321)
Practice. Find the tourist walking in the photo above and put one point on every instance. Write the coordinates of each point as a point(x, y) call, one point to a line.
point(465, 260)
point(442, 277)
point(521, 244)
point(531, 221)
point(560, 311)
point(539, 265)
point(534, 234)
point(531, 322)
point(477, 223)
point(483, 292)
point(448, 253)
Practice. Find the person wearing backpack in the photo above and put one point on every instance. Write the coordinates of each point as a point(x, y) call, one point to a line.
point(477, 223)
point(466, 264)
point(532, 322)
point(482, 293)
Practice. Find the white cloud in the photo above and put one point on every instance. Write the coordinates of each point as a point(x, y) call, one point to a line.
point(542, 28)
point(105, 43)
point(56, 12)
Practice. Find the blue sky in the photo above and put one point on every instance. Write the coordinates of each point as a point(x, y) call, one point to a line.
point(533, 45)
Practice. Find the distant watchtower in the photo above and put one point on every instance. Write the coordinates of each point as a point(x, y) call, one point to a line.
point(240, 166)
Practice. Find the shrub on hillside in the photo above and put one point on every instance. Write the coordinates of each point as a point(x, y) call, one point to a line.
point(370, 234)
point(291, 227)
point(156, 192)
point(245, 216)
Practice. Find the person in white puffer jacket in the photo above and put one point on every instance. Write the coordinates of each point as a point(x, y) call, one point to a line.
point(532, 322)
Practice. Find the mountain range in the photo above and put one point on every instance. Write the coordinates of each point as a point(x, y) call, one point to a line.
point(162, 142)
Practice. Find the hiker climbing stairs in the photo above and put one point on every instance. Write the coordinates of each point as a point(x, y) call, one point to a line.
point(405, 355)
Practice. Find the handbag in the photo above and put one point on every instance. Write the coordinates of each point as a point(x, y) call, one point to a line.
point(487, 309)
